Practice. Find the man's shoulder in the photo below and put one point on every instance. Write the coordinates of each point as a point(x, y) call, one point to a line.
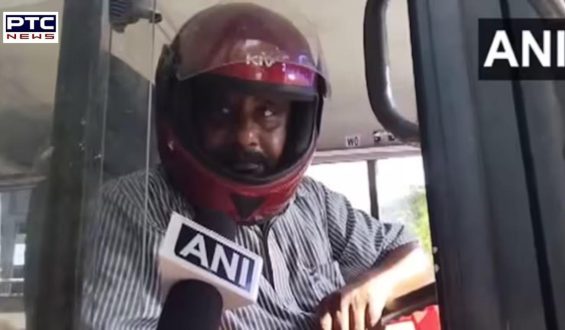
point(145, 196)
point(311, 191)
point(136, 184)
point(310, 185)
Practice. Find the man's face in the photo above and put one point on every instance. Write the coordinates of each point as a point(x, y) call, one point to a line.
point(245, 133)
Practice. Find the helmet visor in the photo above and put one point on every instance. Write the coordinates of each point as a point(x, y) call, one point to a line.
point(247, 41)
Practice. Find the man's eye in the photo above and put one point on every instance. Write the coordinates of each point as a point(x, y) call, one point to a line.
point(269, 112)
point(223, 111)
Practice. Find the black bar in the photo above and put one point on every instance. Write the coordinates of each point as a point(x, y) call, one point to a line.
point(52, 286)
point(540, 111)
point(373, 189)
point(476, 188)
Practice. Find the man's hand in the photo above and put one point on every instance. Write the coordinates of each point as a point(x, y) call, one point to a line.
point(357, 306)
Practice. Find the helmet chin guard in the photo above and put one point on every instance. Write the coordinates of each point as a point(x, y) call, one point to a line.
point(246, 204)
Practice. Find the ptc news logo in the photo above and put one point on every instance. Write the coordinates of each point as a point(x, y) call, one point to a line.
point(30, 27)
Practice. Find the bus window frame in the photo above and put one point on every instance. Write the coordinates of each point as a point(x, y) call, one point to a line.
point(476, 188)
point(542, 133)
point(53, 257)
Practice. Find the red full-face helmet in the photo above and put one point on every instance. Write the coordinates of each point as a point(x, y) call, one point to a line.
point(251, 49)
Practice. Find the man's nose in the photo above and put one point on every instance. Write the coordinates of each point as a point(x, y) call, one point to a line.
point(247, 134)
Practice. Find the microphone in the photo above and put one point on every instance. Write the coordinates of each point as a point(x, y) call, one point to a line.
point(204, 272)
point(191, 304)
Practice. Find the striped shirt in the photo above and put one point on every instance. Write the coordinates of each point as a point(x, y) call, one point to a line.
point(315, 247)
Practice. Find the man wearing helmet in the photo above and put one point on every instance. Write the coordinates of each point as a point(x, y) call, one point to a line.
point(240, 93)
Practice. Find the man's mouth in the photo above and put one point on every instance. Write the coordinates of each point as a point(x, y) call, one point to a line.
point(248, 168)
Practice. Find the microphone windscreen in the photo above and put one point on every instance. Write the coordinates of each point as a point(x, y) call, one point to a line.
point(217, 222)
point(191, 304)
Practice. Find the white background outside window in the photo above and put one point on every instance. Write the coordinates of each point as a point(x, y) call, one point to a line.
point(396, 178)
